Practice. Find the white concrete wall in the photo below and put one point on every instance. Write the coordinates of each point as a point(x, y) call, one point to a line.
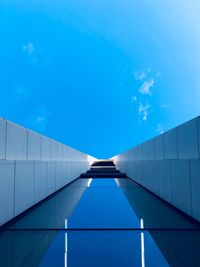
point(19, 143)
point(2, 139)
point(7, 189)
point(33, 167)
point(169, 166)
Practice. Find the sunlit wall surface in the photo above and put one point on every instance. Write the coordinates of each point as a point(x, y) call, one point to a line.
point(169, 166)
point(33, 167)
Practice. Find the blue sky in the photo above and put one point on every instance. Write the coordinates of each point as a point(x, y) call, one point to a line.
point(100, 76)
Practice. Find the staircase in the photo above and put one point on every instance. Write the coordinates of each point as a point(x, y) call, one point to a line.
point(103, 169)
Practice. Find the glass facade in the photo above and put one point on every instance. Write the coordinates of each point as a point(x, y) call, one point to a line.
point(101, 222)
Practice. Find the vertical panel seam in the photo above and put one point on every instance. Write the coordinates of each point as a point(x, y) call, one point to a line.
point(46, 179)
point(40, 147)
point(177, 147)
point(27, 138)
point(6, 139)
point(50, 141)
point(170, 172)
point(198, 136)
point(14, 186)
point(34, 172)
point(190, 175)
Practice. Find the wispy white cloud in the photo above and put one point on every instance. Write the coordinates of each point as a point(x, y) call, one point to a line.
point(40, 119)
point(28, 49)
point(140, 75)
point(143, 111)
point(159, 129)
point(32, 55)
point(146, 87)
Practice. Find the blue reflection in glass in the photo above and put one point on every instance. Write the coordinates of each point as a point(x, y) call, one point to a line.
point(54, 238)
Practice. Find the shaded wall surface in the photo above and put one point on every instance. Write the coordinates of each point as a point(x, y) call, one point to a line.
point(28, 248)
point(169, 166)
point(32, 167)
point(180, 248)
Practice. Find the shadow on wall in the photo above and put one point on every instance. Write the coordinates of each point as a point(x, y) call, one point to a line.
point(179, 247)
point(31, 246)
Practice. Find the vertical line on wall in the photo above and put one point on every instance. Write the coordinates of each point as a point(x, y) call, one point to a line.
point(34, 166)
point(198, 136)
point(159, 177)
point(177, 154)
point(50, 141)
point(170, 166)
point(14, 185)
point(40, 147)
point(190, 175)
point(27, 138)
point(6, 139)
point(46, 177)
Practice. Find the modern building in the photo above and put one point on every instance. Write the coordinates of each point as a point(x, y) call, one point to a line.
point(61, 207)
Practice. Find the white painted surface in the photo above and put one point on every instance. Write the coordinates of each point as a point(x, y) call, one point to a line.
point(195, 188)
point(24, 186)
point(178, 181)
point(59, 175)
point(153, 176)
point(40, 166)
point(149, 149)
point(181, 191)
point(51, 177)
point(187, 137)
point(159, 147)
point(54, 150)
point(2, 138)
point(198, 128)
point(45, 149)
point(34, 146)
point(165, 180)
point(6, 191)
point(60, 152)
point(40, 181)
point(16, 142)
point(170, 144)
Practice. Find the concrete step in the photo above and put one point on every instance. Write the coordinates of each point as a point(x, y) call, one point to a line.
point(102, 170)
point(103, 175)
point(103, 163)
